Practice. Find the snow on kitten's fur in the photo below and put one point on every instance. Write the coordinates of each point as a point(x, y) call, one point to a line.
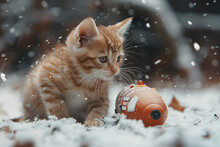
point(73, 80)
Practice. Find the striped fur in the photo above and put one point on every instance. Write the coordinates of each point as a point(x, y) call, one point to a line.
point(70, 81)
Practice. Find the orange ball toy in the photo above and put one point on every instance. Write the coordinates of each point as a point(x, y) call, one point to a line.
point(141, 102)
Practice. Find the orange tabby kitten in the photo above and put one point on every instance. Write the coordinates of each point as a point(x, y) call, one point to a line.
point(73, 80)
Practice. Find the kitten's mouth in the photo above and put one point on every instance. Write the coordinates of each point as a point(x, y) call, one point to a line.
point(115, 74)
point(107, 75)
point(110, 76)
point(107, 78)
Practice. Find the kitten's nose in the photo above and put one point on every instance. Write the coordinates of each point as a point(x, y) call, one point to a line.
point(113, 71)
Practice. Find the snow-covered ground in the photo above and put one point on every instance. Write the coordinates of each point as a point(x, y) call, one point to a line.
point(197, 126)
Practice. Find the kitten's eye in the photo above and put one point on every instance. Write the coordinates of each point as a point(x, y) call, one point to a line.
point(119, 58)
point(103, 59)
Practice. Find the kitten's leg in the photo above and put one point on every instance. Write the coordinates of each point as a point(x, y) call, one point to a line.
point(98, 110)
point(55, 105)
point(32, 103)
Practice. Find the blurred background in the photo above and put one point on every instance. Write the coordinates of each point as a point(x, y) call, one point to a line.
point(171, 43)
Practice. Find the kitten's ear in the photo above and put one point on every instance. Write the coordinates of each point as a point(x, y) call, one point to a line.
point(122, 27)
point(85, 32)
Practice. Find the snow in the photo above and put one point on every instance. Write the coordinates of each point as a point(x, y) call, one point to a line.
point(31, 54)
point(147, 67)
point(3, 55)
point(131, 12)
point(191, 5)
point(12, 30)
point(147, 25)
point(2, 76)
point(196, 46)
point(215, 63)
point(198, 125)
point(44, 4)
point(157, 62)
point(189, 22)
point(205, 14)
point(193, 63)
point(97, 2)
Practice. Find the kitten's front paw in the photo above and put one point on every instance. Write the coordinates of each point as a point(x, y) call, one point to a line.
point(92, 123)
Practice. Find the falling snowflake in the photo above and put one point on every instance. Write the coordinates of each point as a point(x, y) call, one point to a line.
point(147, 77)
point(147, 67)
point(191, 5)
point(131, 12)
point(12, 30)
point(2, 75)
point(44, 4)
point(196, 46)
point(157, 8)
point(97, 2)
point(193, 63)
point(189, 22)
point(31, 54)
point(214, 63)
point(157, 62)
point(3, 55)
point(147, 25)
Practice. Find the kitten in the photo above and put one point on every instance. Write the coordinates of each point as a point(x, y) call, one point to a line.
point(73, 80)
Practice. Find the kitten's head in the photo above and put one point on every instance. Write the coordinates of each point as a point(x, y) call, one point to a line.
point(98, 50)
